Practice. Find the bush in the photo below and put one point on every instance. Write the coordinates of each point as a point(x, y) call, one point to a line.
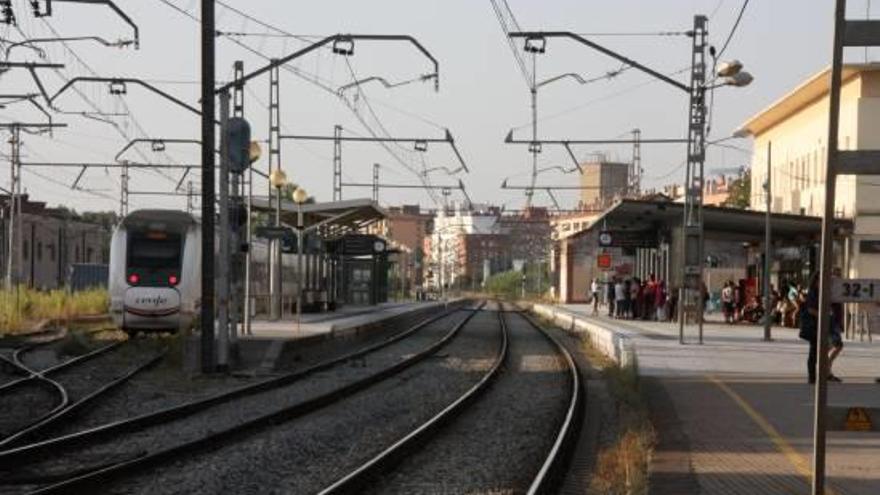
point(508, 284)
point(26, 306)
point(505, 284)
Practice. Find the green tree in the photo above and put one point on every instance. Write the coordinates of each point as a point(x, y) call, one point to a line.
point(287, 192)
point(740, 191)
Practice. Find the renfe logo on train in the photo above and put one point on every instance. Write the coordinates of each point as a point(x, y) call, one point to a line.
point(151, 300)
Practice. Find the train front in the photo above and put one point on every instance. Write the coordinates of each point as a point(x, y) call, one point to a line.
point(154, 282)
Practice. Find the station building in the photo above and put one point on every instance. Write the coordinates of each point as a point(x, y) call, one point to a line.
point(795, 129)
point(639, 238)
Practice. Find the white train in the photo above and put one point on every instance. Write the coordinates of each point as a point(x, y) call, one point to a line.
point(155, 277)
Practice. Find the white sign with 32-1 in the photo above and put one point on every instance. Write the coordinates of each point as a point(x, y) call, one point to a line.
point(855, 290)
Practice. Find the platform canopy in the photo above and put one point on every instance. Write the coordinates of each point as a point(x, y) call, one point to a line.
point(335, 218)
point(641, 215)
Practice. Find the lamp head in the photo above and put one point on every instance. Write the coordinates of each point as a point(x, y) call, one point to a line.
point(740, 79)
point(300, 195)
point(254, 151)
point(729, 68)
point(277, 178)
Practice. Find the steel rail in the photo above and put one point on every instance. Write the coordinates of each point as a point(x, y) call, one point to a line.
point(40, 378)
point(217, 438)
point(75, 407)
point(553, 467)
point(33, 374)
point(385, 460)
point(10, 458)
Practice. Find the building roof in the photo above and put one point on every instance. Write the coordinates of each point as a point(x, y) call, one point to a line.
point(815, 87)
point(641, 215)
point(339, 217)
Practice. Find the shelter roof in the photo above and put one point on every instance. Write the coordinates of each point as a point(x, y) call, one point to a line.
point(641, 215)
point(336, 218)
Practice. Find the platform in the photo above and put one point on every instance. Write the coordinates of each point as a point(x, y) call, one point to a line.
point(327, 323)
point(260, 350)
point(735, 415)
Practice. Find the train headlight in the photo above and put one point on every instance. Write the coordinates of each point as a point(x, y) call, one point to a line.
point(172, 279)
point(134, 278)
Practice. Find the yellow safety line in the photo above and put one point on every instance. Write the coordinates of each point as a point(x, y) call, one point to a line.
point(800, 464)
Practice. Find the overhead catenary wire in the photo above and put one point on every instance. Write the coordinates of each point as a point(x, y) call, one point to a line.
point(93, 105)
point(505, 29)
point(600, 99)
point(314, 79)
point(733, 29)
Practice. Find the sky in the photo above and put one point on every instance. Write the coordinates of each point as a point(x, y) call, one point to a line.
point(482, 93)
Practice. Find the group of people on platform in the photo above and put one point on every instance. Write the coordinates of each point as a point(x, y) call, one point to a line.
point(792, 305)
point(633, 298)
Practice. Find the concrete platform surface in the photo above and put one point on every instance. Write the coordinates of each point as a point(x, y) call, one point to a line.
point(735, 415)
point(335, 321)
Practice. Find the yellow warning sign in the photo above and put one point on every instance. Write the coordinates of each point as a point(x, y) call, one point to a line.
point(857, 419)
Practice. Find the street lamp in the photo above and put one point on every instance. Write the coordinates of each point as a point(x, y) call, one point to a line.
point(278, 179)
point(299, 197)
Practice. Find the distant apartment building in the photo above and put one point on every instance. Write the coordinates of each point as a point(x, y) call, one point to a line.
point(797, 127)
point(49, 243)
point(716, 190)
point(603, 182)
point(567, 224)
point(470, 244)
point(481, 255)
point(530, 234)
point(451, 229)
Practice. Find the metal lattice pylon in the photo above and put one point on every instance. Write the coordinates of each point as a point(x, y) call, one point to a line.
point(337, 163)
point(692, 276)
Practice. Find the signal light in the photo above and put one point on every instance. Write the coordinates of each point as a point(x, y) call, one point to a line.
point(134, 278)
point(172, 279)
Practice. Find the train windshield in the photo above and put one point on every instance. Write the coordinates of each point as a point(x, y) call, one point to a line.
point(154, 256)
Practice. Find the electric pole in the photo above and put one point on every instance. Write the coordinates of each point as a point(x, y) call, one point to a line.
point(376, 182)
point(337, 163)
point(208, 37)
point(635, 174)
point(275, 285)
point(691, 291)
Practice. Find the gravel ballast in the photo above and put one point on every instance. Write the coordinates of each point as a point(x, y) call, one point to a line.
point(226, 415)
point(499, 443)
point(306, 454)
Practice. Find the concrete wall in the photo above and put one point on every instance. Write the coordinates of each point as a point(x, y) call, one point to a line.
point(614, 345)
point(799, 155)
point(49, 245)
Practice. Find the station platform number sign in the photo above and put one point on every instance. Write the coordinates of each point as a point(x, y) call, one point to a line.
point(845, 290)
point(603, 261)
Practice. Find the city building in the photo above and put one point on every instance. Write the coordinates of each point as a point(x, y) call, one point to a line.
point(795, 128)
point(566, 224)
point(716, 190)
point(50, 242)
point(530, 233)
point(603, 182)
point(451, 228)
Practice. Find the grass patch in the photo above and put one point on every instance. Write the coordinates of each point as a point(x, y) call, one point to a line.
point(622, 464)
point(21, 309)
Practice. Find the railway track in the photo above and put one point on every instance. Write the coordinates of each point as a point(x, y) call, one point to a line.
point(452, 445)
point(125, 447)
point(44, 396)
